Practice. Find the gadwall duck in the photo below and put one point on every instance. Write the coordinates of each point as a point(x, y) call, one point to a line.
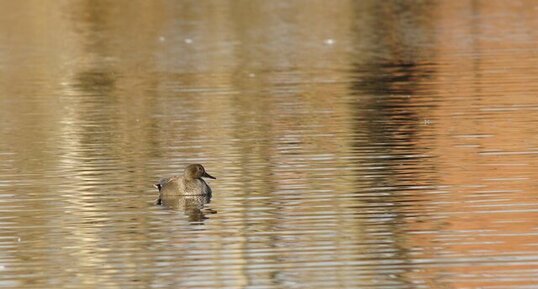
point(189, 184)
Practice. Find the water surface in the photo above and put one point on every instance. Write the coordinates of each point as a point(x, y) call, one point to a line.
point(356, 144)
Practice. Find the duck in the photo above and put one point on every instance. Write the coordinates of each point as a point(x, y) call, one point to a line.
point(187, 185)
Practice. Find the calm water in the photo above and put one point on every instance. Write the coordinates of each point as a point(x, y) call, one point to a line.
point(356, 144)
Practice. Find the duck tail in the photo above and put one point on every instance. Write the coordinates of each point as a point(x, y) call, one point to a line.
point(158, 186)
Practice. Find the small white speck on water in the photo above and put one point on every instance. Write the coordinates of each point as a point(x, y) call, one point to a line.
point(252, 74)
point(162, 39)
point(19, 239)
point(188, 40)
point(329, 41)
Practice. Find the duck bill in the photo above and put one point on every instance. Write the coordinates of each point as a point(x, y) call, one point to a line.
point(206, 175)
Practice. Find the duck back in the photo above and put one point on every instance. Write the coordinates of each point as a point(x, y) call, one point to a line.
point(178, 186)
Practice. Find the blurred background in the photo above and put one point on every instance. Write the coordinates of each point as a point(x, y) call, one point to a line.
point(356, 144)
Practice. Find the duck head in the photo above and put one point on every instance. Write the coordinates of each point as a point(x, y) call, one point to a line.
point(196, 171)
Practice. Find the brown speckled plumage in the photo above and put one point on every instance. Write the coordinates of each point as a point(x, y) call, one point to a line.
point(188, 184)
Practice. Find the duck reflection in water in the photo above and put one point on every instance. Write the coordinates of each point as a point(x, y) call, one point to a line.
point(188, 192)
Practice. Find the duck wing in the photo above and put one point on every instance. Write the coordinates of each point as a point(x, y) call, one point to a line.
point(162, 182)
